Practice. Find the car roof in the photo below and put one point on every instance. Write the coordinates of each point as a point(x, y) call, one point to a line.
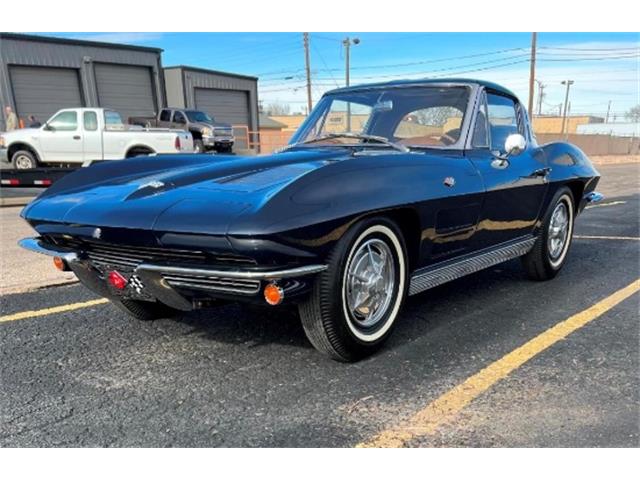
point(426, 81)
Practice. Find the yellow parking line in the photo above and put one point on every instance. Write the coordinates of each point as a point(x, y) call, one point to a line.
point(609, 204)
point(604, 237)
point(51, 310)
point(444, 408)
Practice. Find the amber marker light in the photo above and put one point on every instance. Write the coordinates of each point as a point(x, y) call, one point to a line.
point(59, 264)
point(273, 294)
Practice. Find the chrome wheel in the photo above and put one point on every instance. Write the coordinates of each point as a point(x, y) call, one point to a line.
point(370, 283)
point(559, 226)
point(23, 162)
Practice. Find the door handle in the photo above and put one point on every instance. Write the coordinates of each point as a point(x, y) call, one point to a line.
point(541, 172)
point(76, 137)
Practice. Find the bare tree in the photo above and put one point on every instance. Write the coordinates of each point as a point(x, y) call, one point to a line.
point(633, 114)
point(278, 108)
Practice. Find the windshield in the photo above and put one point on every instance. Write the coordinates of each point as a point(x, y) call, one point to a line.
point(196, 116)
point(410, 116)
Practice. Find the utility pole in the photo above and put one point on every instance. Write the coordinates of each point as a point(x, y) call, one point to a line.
point(305, 38)
point(532, 71)
point(606, 120)
point(540, 96)
point(568, 83)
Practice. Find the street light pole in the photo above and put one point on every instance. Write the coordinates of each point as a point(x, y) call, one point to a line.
point(568, 83)
point(532, 71)
point(347, 42)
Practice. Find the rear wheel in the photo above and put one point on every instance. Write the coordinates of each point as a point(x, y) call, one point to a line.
point(549, 253)
point(24, 160)
point(355, 302)
point(145, 310)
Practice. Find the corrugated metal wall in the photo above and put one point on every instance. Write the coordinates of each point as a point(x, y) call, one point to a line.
point(27, 51)
point(201, 79)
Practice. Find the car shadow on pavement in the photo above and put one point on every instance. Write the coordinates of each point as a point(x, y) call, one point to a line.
point(255, 326)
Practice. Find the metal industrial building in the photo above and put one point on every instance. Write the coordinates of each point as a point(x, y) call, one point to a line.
point(227, 97)
point(40, 75)
point(43, 74)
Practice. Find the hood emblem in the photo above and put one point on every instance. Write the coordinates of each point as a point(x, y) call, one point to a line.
point(449, 182)
point(97, 233)
point(152, 184)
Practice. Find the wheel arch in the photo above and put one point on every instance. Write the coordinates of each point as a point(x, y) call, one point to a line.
point(408, 221)
point(577, 189)
point(138, 148)
point(21, 145)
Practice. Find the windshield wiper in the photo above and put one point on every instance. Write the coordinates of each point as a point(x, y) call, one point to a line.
point(356, 136)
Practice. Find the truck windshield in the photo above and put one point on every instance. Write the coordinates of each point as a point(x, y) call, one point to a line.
point(197, 116)
point(412, 116)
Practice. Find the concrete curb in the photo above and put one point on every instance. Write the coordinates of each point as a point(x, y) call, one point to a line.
point(15, 201)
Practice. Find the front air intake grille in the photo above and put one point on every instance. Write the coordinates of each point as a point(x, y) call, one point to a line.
point(128, 257)
point(216, 284)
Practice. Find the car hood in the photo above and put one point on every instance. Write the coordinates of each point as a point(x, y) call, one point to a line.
point(194, 194)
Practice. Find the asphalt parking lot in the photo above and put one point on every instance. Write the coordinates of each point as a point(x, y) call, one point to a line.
point(91, 376)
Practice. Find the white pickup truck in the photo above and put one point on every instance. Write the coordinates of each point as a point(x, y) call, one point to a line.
point(79, 136)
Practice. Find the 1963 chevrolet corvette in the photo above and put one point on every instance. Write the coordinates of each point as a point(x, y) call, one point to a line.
point(386, 190)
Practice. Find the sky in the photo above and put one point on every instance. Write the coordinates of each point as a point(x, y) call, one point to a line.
point(604, 66)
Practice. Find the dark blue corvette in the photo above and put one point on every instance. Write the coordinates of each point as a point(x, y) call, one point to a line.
point(385, 190)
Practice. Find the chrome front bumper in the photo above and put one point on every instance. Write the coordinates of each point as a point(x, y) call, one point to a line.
point(163, 282)
point(211, 141)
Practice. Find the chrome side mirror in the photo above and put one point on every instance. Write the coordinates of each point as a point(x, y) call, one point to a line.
point(514, 145)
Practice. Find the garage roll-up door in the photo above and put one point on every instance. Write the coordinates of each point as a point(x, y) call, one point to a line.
point(42, 91)
point(230, 106)
point(126, 89)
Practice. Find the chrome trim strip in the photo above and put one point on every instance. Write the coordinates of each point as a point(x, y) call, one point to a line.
point(234, 274)
point(433, 276)
point(594, 197)
point(35, 245)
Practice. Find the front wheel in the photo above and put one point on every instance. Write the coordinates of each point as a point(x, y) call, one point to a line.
point(198, 146)
point(355, 302)
point(24, 160)
point(549, 253)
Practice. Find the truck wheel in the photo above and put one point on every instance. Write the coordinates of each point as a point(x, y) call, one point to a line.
point(24, 160)
point(355, 302)
point(198, 146)
point(549, 253)
point(145, 310)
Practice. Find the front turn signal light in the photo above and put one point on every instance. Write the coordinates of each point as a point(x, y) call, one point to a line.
point(273, 294)
point(60, 264)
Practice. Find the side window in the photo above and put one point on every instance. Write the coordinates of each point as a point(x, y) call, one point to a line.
point(178, 117)
point(438, 125)
point(64, 121)
point(90, 120)
point(481, 129)
point(503, 119)
point(165, 115)
point(113, 121)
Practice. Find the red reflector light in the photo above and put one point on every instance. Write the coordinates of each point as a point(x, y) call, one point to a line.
point(10, 181)
point(42, 182)
point(177, 143)
point(117, 280)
